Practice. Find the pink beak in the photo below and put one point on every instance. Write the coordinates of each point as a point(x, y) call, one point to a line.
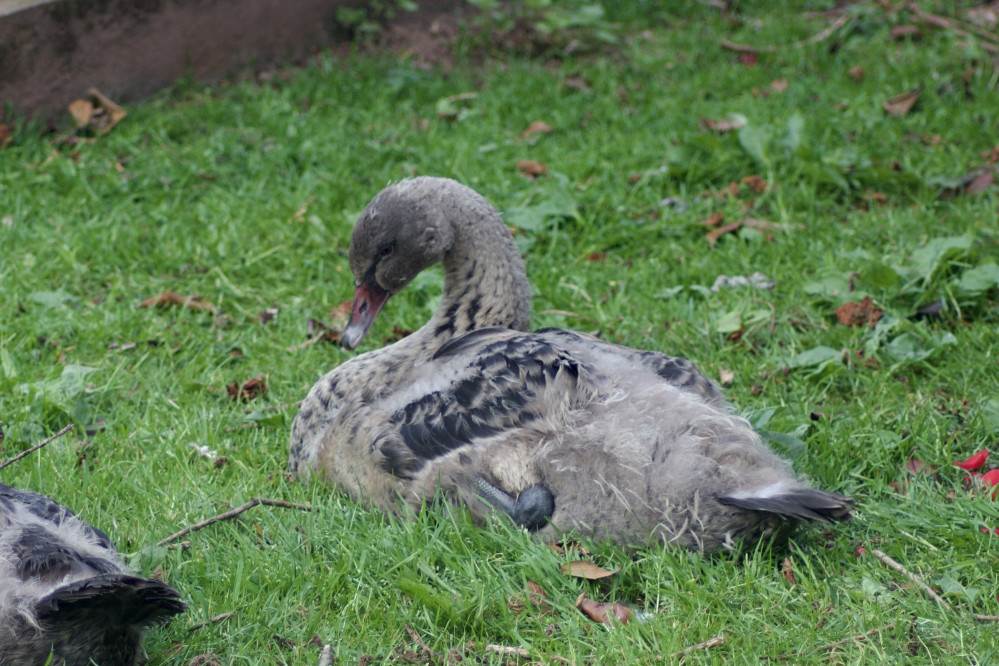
point(368, 301)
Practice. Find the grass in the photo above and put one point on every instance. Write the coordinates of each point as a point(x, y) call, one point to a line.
point(245, 193)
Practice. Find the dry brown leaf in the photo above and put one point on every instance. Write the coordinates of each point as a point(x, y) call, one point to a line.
point(537, 127)
point(587, 570)
point(606, 613)
point(248, 390)
point(532, 169)
point(726, 377)
point(900, 105)
point(980, 183)
point(715, 234)
point(596, 257)
point(577, 83)
point(903, 31)
point(991, 155)
point(755, 183)
point(720, 125)
point(82, 111)
point(168, 298)
point(760, 225)
point(714, 220)
point(340, 315)
point(778, 85)
point(856, 73)
point(787, 568)
point(6, 135)
point(859, 314)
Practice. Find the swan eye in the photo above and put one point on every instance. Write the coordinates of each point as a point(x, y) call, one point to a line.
point(386, 251)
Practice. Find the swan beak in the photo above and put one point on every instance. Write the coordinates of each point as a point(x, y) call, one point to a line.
point(368, 301)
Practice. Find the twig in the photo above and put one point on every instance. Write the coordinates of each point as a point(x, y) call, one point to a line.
point(37, 446)
point(232, 513)
point(710, 643)
point(773, 48)
point(423, 646)
point(952, 25)
point(986, 618)
point(913, 577)
point(507, 649)
point(859, 637)
point(212, 620)
point(326, 656)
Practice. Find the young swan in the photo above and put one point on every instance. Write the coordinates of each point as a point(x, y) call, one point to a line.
point(558, 430)
point(65, 596)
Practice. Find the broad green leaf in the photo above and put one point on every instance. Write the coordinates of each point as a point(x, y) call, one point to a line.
point(52, 299)
point(979, 278)
point(819, 356)
point(990, 414)
point(730, 322)
point(754, 140)
point(910, 346)
point(937, 253)
point(795, 126)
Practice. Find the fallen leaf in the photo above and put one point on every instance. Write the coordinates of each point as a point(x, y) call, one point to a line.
point(974, 461)
point(991, 155)
point(537, 127)
point(715, 234)
point(903, 31)
point(596, 257)
point(980, 183)
point(721, 125)
point(755, 183)
point(587, 570)
point(82, 110)
point(714, 220)
point(992, 479)
point(248, 390)
point(748, 59)
point(900, 105)
point(577, 83)
point(787, 568)
point(168, 298)
point(726, 377)
point(267, 315)
point(778, 85)
point(859, 314)
point(606, 613)
point(760, 225)
point(6, 135)
point(532, 169)
point(856, 73)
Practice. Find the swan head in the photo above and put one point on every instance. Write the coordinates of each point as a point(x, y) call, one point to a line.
point(401, 232)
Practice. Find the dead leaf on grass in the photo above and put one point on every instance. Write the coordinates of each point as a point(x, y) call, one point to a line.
point(980, 183)
point(248, 390)
point(537, 127)
point(99, 112)
point(604, 613)
point(778, 85)
point(714, 220)
point(168, 298)
point(856, 73)
point(532, 169)
point(900, 105)
point(587, 570)
point(715, 234)
point(903, 31)
point(755, 183)
point(267, 315)
point(726, 377)
point(721, 125)
point(787, 568)
point(81, 110)
point(6, 135)
point(864, 313)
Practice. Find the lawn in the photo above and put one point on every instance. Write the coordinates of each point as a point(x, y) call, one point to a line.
point(670, 161)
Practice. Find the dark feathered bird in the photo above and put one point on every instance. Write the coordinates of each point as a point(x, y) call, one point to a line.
point(556, 429)
point(65, 596)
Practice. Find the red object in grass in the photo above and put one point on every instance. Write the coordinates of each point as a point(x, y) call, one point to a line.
point(975, 461)
point(992, 478)
point(994, 530)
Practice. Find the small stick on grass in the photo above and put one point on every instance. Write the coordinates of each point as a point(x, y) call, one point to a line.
point(211, 620)
point(232, 513)
point(427, 650)
point(326, 656)
point(507, 649)
point(986, 618)
point(913, 577)
point(710, 643)
point(37, 446)
point(773, 48)
point(859, 637)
